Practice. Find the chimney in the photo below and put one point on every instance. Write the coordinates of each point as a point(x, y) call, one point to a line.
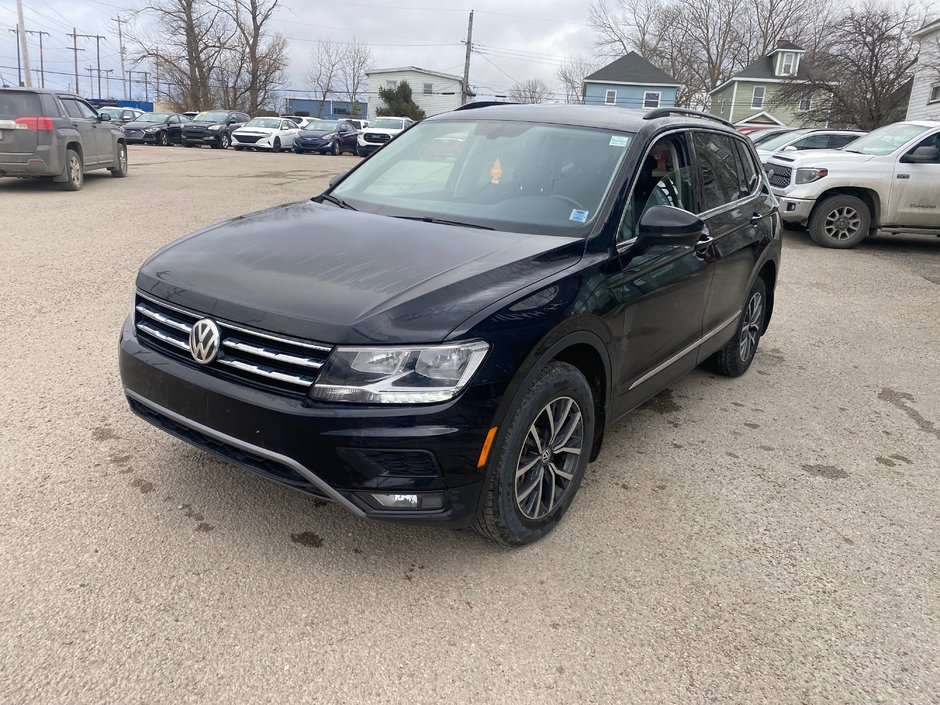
point(782, 42)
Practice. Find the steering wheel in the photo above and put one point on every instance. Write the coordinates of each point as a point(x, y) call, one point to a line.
point(567, 199)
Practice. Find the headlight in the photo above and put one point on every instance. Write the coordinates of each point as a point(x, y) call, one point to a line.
point(328, 136)
point(809, 175)
point(216, 127)
point(152, 129)
point(399, 375)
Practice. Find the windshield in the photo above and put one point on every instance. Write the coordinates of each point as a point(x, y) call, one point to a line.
point(762, 136)
point(781, 140)
point(515, 176)
point(270, 123)
point(153, 117)
point(113, 112)
point(886, 139)
point(321, 125)
point(211, 116)
point(387, 123)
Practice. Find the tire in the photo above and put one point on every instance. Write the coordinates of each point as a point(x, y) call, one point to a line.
point(276, 145)
point(163, 139)
point(357, 152)
point(736, 357)
point(120, 171)
point(841, 222)
point(297, 150)
point(238, 149)
point(187, 144)
point(520, 502)
point(74, 171)
point(334, 149)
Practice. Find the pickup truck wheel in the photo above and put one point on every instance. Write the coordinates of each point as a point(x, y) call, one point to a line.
point(735, 358)
point(540, 457)
point(74, 171)
point(840, 221)
point(120, 169)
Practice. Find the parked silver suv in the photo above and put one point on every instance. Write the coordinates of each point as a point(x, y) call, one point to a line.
point(46, 133)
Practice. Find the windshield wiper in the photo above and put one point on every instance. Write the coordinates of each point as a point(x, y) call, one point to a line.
point(442, 221)
point(336, 201)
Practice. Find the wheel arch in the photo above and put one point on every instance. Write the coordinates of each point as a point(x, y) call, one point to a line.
point(868, 196)
point(768, 272)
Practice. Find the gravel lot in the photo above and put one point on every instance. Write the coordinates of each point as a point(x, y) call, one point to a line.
point(767, 539)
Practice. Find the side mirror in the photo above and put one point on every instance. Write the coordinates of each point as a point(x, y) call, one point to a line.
point(336, 179)
point(789, 148)
point(666, 225)
point(104, 117)
point(922, 155)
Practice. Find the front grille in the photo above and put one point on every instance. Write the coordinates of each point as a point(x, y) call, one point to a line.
point(247, 139)
point(253, 356)
point(133, 134)
point(779, 176)
point(258, 464)
point(376, 137)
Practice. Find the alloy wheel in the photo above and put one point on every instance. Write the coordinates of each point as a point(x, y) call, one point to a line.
point(549, 457)
point(750, 327)
point(75, 169)
point(842, 223)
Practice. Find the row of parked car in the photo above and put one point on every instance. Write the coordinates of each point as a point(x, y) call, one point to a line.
point(221, 129)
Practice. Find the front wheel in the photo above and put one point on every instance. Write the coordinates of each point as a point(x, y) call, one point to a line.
point(120, 169)
point(163, 139)
point(540, 457)
point(276, 147)
point(187, 144)
point(224, 141)
point(840, 221)
point(334, 149)
point(735, 358)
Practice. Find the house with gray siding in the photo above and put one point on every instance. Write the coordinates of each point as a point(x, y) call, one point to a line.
point(434, 92)
point(630, 82)
point(925, 92)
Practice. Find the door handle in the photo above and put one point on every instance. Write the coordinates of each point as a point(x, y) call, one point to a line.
point(757, 217)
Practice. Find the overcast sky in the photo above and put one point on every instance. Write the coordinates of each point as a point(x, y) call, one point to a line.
point(512, 41)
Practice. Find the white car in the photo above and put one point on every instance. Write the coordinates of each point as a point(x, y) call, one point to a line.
point(268, 133)
point(807, 138)
point(381, 131)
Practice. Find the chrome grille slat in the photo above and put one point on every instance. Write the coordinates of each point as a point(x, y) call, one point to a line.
point(270, 354)
point(165, 320)
point(266, 372)
point(162, 337)
point(272, 360)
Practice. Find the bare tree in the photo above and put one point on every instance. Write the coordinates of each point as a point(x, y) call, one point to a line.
point(261, 57)
point(531, 90)
point(323, 74)
point(869, 55)
point(572, 73)
point(356, 60)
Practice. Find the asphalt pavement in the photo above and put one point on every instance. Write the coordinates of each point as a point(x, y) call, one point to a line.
point(769, 539)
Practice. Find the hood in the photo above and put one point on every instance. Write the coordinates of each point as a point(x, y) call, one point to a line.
point(316, 133)
point(255, 131)
point(384, 130)
point(818, 157)
point(338, 276)
point(134, 125)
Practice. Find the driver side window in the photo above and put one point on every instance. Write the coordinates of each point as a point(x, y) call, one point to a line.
point(664, 179)
point(932, 141)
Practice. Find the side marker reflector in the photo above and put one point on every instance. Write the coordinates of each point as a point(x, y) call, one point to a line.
point(487, 444)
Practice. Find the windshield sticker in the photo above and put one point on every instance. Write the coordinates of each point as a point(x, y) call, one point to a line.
point(496, 171)
point(619, 141)
point(578, 216)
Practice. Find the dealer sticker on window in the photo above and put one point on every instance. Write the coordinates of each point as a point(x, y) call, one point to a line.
point(578, 216)
point(619, 141)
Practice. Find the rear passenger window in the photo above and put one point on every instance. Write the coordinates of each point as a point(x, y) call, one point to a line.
point(749, 173)
point(718, 168)
point(71, 107)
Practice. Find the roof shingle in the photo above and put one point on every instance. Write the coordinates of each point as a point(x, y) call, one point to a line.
point(632, 68)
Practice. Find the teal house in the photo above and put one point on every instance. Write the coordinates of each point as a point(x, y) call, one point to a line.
point(630, 82)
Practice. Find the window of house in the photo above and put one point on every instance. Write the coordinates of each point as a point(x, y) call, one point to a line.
point(934, 94)
point(610, 98)
point(428, 88)
point(787, 63)
point(718, 166)
point(805, 102)
point(757, 99)
point(651, 99)
point(391, 84)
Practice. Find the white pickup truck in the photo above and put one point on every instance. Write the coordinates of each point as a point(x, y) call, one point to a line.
point(887, 180)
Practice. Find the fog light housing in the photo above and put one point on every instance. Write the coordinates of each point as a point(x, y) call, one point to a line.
point(791, 207)
point(407, 501)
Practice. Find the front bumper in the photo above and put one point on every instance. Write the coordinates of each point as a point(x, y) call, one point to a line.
point(202, 137)
point(795, 210)
point(340, 452)
point(312, 145)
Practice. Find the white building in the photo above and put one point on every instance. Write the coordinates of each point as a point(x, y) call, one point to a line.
point(434, 92)
point(925, 93)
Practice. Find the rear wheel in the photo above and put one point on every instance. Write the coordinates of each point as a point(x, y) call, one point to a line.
point(735, 358)
point(541, 456)
point(120, 169)
point(74, 171)
point(840, 221)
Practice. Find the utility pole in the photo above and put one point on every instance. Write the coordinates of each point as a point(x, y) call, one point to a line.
point(97, 38)
point(146, 75)
point(19, 65)
point(122, 51)
point(42, 68)
point(465, 91)
point(21, 42)
point(75, 48)
point(100, 71)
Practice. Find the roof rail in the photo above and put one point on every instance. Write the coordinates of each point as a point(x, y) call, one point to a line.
point(666, 112)
point(482, 104)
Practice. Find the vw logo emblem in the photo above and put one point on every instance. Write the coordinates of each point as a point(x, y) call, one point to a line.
point(204, 340)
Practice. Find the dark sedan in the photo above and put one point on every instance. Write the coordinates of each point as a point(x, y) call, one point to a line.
point(155, 128)
point(328, 137)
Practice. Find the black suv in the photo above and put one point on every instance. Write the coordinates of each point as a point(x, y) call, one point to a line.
point(54, 134)
point(213, 127)
point(447, 332)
